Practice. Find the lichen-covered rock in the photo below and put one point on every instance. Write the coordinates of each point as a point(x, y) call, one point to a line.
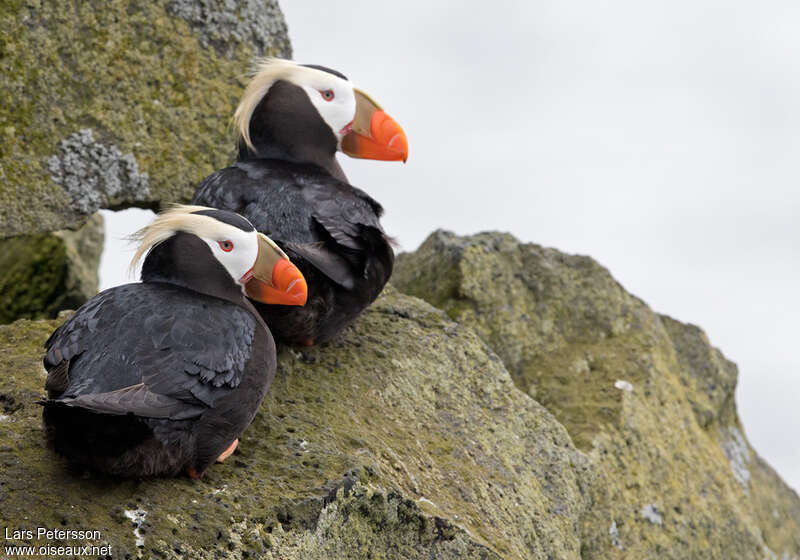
point(405, 438)
point(121, 104)
point(42, 274)
point(645, 396)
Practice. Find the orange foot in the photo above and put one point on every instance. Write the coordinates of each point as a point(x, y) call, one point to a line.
point(228, 452)
point(192, 473)
point(307, 342)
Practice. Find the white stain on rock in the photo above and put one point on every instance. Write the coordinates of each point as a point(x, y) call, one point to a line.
point(651, 513)
point(623, 385)
point(614, 533)
point(137, 517)
point(738, 453)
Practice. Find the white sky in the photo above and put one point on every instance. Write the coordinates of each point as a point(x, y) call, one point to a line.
point(661, 138)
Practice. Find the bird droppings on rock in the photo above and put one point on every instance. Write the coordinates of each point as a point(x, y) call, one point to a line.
point(614, 534)
point(215, 491)
point(225, 24)
point(95, 174)
point(651, 513)
point(738, 453)
point(137, 517)
point(623, 385)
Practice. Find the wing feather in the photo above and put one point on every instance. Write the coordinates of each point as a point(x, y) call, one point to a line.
point(151, 350)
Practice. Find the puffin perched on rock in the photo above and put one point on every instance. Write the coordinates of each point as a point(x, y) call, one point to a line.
point(291, 121)
point(162, 376)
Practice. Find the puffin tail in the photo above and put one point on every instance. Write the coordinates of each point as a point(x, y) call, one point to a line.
point(86, 437)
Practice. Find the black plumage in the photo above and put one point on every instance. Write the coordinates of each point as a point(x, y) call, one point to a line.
point(288, 183)
point(162, 376)
point(329, 229)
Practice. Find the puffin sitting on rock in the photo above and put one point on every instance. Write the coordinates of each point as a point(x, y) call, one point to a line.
point(291, 121)
point(162, 376)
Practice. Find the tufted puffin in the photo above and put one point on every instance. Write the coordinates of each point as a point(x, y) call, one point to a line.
point(162, 376)
point(291, 121)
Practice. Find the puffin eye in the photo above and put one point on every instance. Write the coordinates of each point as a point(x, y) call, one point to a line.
point(226, 245)
point(327, 94)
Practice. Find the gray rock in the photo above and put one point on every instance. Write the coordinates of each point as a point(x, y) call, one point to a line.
point(224, 24)
point(95, 175)
point(405, 438)
point(738, 453)
point(650, 401)
point(127, 105)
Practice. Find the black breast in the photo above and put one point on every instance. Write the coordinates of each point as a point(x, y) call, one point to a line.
point(330, 229)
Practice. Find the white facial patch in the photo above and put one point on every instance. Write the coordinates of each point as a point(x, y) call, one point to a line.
point(241, 253)
point(337, 112)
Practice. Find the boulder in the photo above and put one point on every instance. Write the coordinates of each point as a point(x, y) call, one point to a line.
point(404, 438)
point(44, 273)
point(645, 396)
point(120, 103)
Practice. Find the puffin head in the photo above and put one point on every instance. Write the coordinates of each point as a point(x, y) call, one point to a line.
point(219, 253)
point(309, 112)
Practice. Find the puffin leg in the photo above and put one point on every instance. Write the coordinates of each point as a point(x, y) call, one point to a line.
point(307, 342)
point(193, 474)
point(228, 452)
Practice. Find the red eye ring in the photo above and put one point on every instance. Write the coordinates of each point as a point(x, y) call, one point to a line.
point(327, 94)
point(226, 245)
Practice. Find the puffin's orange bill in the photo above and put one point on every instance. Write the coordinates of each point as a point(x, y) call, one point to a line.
point(275, 280)
point(288, 286)
point(375, 135)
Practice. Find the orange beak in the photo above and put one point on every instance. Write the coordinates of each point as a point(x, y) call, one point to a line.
point(273, 279)
point(374, 134)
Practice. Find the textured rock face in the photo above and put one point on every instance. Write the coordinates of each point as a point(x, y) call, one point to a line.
point(403, 439)
point(121, 104)
point(45, 273)
point(646, 397)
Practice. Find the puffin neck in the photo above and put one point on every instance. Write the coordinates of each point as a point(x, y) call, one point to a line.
point(286, 126)
point(329, 165)
point(186, 261)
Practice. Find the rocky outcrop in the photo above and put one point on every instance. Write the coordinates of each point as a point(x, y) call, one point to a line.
point(645, 396)
point(405, 438)
point(42, 274)
point(409, 437)
point(124, 104)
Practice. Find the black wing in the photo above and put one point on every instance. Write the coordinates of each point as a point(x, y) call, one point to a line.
point(331, 224)
point(152, 350)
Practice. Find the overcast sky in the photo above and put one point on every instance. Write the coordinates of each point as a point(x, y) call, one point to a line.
point(661, 138)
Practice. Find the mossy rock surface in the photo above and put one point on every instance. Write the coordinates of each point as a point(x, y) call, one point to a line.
point(405, 438)
point(44, 273)
point(645, 396)
point(121, 102)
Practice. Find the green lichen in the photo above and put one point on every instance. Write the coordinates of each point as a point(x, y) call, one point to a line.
point(404, 438)
point(42, 274)
point(33, 276)
point(645, 396)
point(130, 72)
